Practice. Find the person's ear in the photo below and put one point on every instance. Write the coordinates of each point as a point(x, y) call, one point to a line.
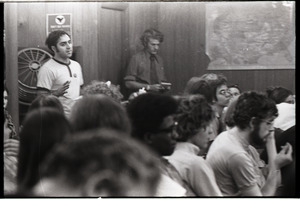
point(95, 185)
point(54, 48)
point(214, 100)
point(148, 137)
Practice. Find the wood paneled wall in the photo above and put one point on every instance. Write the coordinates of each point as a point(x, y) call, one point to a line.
point(96, 31)
point(183, 49)
point(107, 36)
point(261, 79)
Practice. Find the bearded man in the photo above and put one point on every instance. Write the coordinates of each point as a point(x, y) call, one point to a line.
point(238, 169)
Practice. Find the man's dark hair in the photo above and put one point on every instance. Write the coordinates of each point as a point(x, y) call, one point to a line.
point(278, 93)
point(153, 34)
point(107, 154)
point(235, 86)
point(147, 112)
point(250, 105)
point(42, 130)
point(53, 38)
point(50, 101)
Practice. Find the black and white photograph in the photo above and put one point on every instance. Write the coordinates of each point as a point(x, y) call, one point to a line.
point(149, 99)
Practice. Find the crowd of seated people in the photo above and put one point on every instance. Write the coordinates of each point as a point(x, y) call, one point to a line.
point(155, 144)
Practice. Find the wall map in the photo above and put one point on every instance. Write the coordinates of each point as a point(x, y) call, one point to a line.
point(250, 35)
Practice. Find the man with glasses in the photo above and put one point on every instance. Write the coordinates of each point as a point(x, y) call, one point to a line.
point(152, 117)
point(221, 98)
point(238, 169)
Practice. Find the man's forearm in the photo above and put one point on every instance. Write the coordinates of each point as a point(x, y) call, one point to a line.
point(273, 179)
point(43, 91)
point(270, 187)
point(135, 85)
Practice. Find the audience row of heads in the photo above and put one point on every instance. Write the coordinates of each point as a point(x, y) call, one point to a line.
point(116, 148)
point(89, 154)
point(210, 85)
point(107, 159)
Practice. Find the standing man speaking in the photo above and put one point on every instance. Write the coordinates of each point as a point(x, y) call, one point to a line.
point(145, 69)
point(61, 76)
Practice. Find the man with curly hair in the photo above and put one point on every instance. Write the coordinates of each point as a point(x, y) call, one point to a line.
point(106, 88)
point(238, 173)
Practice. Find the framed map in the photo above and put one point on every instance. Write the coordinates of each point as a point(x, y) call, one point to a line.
point(250, 35)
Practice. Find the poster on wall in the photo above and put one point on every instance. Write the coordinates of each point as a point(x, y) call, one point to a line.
point(59, 22)
point(247, 35)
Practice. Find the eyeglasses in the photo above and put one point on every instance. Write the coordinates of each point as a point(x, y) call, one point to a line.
point(169, 129)
point(268, 122)
point(224, 92)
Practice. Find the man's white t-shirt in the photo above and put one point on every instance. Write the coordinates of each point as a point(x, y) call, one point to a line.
point(53, 74)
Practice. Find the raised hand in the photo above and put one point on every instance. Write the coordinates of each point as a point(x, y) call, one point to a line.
point(284, 157)
point(61, 90)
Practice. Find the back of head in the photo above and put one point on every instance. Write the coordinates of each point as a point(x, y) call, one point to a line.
point(99, 111)
point(250, 105)
point(102, 162)
point(214, 78)
point(42, 130)
point(189, 85)
point(193, 113)
point(99, 87)
point(53, 38)
point(153, 34)
point(50, 101)
point(148, 111)
point(278, 94)
point(199, 86)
